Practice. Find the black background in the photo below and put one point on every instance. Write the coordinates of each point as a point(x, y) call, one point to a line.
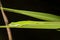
point(47, 6)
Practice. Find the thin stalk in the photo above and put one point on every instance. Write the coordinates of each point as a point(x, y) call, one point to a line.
point(6, 23)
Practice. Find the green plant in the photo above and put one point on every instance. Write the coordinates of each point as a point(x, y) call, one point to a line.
point(52, 20)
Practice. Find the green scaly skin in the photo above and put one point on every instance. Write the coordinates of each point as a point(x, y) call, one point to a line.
point(35, 24)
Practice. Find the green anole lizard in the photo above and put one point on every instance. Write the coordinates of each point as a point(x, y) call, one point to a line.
point(35, 24)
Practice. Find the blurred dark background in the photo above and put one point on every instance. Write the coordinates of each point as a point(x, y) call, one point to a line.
point(46, 6)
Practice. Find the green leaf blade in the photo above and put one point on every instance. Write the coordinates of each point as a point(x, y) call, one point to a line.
point(39, 15)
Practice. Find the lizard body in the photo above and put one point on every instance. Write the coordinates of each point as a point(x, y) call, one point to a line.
point(35, 24)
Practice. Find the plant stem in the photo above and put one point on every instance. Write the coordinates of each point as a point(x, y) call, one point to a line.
point(6, 23)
